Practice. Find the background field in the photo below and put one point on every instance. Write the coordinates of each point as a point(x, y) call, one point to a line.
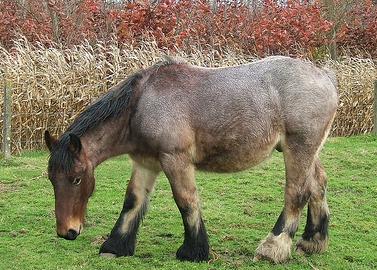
point(59, 56)
point(51, 86)
point(239, 210)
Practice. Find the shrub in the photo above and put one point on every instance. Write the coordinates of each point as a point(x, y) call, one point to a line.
point(262, 28)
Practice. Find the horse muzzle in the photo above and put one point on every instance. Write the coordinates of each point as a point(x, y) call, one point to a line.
point(70, 234)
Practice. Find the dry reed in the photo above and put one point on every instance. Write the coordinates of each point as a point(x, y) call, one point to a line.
point(51, 86)
point(355, 81)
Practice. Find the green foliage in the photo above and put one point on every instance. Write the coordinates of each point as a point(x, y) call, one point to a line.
point(239, 210)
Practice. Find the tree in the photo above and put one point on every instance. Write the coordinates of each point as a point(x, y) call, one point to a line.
point(50, 5)
point(339, 13)
point(332, 34)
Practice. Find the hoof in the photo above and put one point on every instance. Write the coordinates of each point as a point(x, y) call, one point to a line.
point(117, 247)
point(298, 250)
point(108, 255)
point(193, 254)
point(314, 245)
point(275, 249)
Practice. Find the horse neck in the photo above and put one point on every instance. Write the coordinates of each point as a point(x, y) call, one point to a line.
point(106, 141)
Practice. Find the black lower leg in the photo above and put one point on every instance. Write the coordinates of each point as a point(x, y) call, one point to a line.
point(315, 236)
point(282, 226)
point(320, 228)
point(195, 246)
point(123, 236)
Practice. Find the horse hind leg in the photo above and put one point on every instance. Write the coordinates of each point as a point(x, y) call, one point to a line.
point(315, 236)
point(276, 247)
point(122, 239)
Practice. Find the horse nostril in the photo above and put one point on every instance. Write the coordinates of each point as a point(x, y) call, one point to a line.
point(71, 234)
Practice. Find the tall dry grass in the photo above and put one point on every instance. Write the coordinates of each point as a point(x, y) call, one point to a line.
point(51, 86)
point(355, 81)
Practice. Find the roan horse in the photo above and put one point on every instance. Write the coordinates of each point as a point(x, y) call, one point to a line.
point(175, 117)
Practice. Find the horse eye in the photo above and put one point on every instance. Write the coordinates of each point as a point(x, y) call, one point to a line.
point(77, 181)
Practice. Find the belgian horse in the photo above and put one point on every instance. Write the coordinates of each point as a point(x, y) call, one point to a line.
point(175, 117)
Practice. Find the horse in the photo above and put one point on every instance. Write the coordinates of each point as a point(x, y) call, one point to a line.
point(174, 117)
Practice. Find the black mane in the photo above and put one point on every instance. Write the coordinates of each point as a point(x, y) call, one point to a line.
point(110, 105)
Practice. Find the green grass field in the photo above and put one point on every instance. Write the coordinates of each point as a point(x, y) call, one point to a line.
point(239, 210)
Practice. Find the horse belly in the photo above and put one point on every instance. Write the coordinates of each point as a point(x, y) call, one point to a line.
point(234, 157)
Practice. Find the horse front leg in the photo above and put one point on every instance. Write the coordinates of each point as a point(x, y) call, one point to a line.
point(181, 175)
point(276, 247)
point(121, 241)
point(315, 236)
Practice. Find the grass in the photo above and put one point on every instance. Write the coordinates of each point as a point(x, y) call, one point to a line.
point(239, 210)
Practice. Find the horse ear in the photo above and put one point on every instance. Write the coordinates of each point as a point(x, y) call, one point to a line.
point(74, 144)
point(50, 140)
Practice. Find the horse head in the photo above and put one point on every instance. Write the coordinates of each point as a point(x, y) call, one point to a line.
point(72, 177)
